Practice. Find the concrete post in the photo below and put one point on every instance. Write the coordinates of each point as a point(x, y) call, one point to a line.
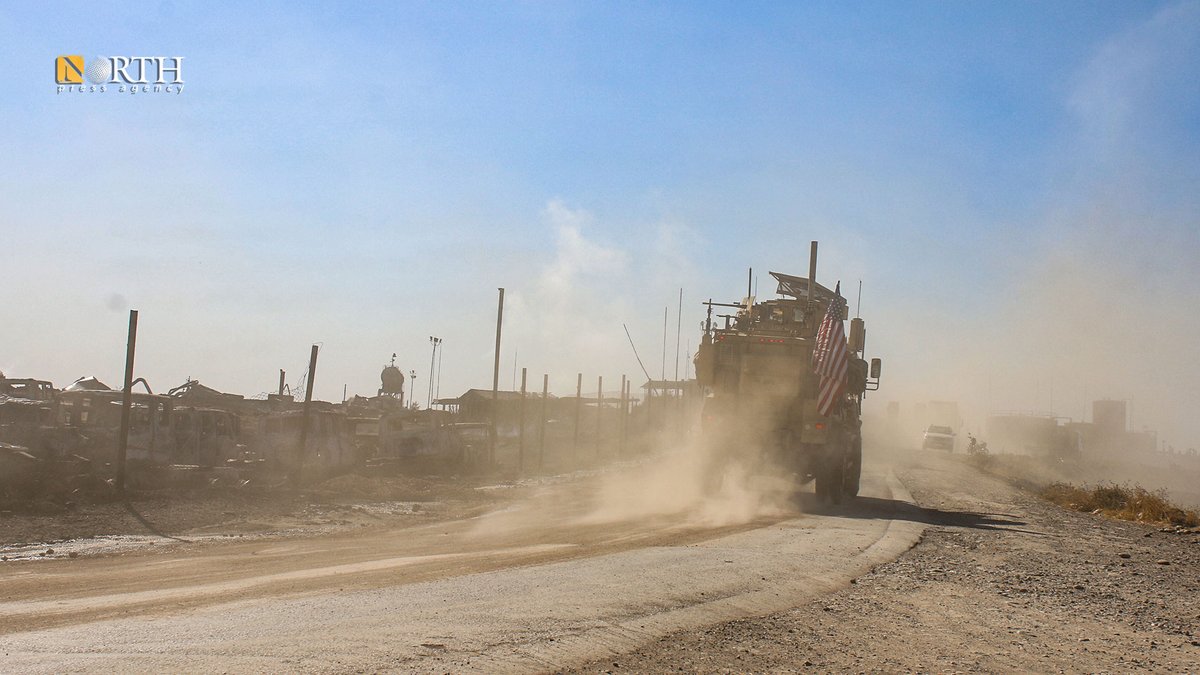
point(126, 401)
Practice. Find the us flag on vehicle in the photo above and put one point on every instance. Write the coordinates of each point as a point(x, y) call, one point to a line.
point(829, 354)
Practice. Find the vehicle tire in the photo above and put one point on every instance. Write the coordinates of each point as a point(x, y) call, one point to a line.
point(821, 481)
point(837, 477)
point(853, 468)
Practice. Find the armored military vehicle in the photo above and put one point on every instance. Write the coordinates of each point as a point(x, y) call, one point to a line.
point(783, 385)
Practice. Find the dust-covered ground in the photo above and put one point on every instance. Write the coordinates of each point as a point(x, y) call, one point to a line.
point(97, 523)
point(1058, 591)
point(361, 499)
point(1000, 581)
point(348, 501)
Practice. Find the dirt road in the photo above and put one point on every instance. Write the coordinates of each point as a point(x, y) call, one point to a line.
point(557, 580)
point(1001, 582)
point(542, 583)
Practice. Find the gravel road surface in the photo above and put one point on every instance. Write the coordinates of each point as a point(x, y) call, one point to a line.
point(999, 582)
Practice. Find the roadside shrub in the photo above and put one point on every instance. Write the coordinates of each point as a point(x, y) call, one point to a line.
point(981, 461)
point(1121, 501)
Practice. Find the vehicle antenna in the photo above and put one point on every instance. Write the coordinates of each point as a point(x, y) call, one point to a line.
point(858, 309)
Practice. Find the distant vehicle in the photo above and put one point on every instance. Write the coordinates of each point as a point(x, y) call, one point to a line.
point(938, 438)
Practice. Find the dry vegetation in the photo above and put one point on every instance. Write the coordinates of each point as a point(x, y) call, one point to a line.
point(1121, 501)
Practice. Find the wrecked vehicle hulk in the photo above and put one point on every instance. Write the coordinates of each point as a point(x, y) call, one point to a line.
point(783, 385)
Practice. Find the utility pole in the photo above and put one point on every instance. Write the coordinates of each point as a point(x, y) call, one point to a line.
point(496, 381)
point(437, 391)
point(126, 401)
point(435, 341)
point(308, 394)
point(282, 375)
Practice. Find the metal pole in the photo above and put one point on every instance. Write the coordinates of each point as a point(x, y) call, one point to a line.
point(126, 401)
point(664, 354)
point(812, 273)
point(496, 380)
point(678, 330)
point(432, 360)
point(599, 411)
point(521, 425)
point(437, 391)
point(578, 406)
point(542, 425)
point(308, 393)
point(282, 375)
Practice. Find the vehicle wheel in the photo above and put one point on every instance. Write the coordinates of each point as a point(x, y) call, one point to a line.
point(837, 478)
point(853, 468)
point(821, 482)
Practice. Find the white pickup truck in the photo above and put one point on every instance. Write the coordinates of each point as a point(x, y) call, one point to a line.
point(938, 438)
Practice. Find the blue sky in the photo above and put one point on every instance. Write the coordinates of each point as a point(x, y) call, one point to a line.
point(367, 177)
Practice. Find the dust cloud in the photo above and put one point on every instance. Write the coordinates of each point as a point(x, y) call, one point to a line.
point(694, 479)
point(1091, 294)
point(1101, 315)
point(679, 481)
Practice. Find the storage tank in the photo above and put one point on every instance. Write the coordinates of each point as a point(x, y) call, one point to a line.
point(393, 382)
